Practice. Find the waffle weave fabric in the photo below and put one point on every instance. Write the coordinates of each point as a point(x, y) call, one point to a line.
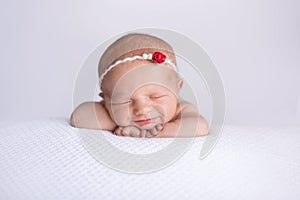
point(45, 159)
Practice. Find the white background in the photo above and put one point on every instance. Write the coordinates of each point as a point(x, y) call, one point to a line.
point(254, 44)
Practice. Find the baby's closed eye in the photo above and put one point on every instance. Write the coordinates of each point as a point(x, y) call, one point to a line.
point(125, 101)
point(158, 96)
point(122, 102)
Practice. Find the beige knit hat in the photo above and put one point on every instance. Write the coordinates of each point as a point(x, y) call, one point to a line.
point(131, 46)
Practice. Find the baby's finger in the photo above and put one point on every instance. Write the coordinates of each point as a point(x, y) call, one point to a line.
point(143, 133)
point(146, 133)
point(134, 132)
point(159, 127)
point(118, 131)
point(125, 132)
point(149, 134)
point(153, 131)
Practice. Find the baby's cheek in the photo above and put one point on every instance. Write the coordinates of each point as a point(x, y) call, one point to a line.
point(161, 111)
point(120, 116)
point(169, 111)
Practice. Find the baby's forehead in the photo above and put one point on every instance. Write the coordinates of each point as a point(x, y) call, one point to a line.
point(149, 88)
point(145, 90)
point(130, 79)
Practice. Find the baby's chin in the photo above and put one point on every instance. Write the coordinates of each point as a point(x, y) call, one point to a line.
point(146, 127)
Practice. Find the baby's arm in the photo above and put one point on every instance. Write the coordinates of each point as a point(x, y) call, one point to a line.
point(92, 115)
point(189, 123)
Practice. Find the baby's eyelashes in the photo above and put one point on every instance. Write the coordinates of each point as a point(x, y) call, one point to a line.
point(122, 102)
point(158, 97)
point(130, 101)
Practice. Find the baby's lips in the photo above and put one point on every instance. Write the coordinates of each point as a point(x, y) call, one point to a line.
point(141, 120)
point(144, 121)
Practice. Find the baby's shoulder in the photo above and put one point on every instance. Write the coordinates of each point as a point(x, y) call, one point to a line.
point(183, 104)
point(186, 108)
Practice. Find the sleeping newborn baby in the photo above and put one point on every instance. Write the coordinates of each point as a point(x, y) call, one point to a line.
point(140, 91)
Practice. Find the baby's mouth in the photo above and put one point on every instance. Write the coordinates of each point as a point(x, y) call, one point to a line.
point(146, 121)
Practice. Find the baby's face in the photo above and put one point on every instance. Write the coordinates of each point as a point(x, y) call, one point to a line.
point(143, 95)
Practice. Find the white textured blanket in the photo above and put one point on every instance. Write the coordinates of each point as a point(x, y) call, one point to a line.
point(47, 159)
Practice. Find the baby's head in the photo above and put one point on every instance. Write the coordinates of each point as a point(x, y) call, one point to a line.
point(139, 81)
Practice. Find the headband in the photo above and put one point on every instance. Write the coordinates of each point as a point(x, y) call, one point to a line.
point(156, 57)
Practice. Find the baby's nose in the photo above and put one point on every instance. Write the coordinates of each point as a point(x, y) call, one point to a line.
point(142, 107)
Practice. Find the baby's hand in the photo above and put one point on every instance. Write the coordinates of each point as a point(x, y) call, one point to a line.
point(134, 131)
point(154, 131)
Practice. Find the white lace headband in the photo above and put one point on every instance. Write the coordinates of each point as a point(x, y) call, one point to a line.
point(156, 57)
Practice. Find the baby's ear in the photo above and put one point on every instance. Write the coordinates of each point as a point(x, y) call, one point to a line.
point(179, 84)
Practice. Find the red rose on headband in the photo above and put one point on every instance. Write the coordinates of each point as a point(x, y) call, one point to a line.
point(158, 57)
